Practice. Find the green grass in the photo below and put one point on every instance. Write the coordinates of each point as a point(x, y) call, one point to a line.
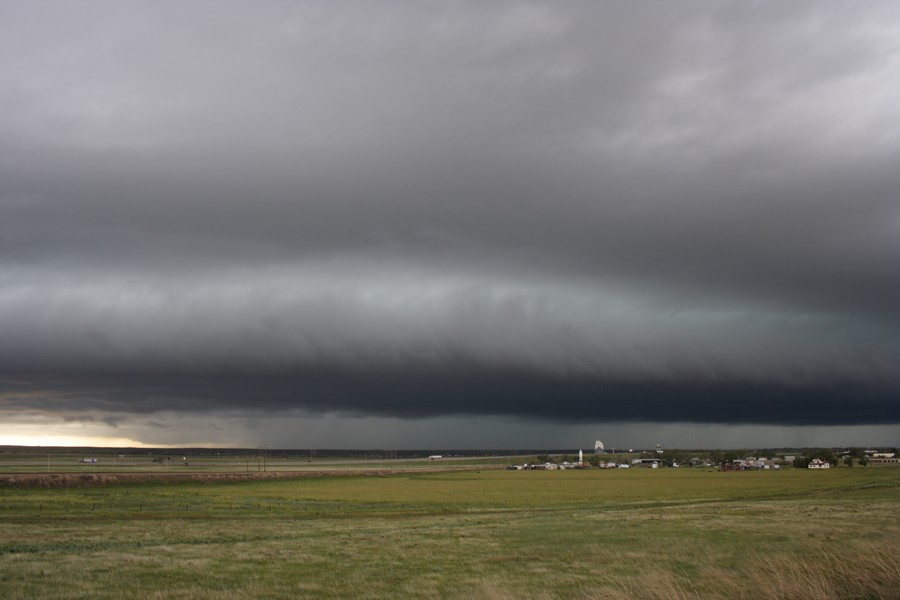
point(20, 460)
point(489, 534)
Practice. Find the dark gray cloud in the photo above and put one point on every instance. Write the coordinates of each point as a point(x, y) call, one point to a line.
point(472, 393)
point(659, 212)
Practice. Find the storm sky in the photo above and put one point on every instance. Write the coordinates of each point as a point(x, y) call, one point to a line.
point(450, 224)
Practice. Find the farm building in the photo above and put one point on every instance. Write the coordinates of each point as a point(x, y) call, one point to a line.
point(819, 464)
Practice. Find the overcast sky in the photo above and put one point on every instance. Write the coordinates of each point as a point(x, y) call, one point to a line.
point(454, 224)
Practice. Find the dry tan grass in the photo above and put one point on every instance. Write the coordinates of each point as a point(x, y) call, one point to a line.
point(826, 575)
point(870, 572)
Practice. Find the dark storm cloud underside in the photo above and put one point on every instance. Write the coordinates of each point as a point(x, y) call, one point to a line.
point(476, 393)
point(691, 207)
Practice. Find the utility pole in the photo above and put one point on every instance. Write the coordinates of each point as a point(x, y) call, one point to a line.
point(262, 458)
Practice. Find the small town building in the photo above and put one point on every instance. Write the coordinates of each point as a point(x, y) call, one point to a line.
point(884, 461)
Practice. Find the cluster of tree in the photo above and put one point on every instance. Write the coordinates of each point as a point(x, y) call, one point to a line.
point(856, 455)
point(673, 457)
point(720, 456)
point(823, 454)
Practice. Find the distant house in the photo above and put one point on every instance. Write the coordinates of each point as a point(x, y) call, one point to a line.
point(752, 463)
point(819, 464)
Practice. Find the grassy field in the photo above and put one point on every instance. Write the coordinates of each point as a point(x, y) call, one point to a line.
point(18, 462)
point(489, 534)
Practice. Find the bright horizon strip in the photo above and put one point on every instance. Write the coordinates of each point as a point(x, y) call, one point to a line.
point(42, 431)
point(41, 440)
point(71, 441)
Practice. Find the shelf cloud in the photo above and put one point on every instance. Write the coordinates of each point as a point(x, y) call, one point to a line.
point(589, 212)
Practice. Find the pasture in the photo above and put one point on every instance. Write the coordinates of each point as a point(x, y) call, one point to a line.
point(640, 533)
